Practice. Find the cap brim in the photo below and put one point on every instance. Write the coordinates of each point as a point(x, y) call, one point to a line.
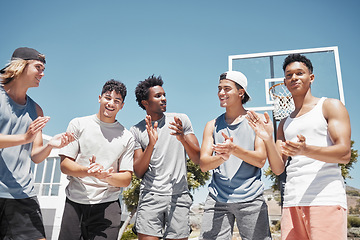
point(3, 70)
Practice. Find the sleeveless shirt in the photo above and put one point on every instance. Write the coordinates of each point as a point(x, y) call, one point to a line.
point(16, 179)
point(311, 182)
point(235, 180)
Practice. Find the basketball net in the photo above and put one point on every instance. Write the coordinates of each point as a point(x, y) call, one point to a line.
point(283, 102)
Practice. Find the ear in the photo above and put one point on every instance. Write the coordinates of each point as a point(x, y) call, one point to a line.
point(241, 92)
point(144, 103)
point(99, 98)
point(284, 82)
point(122, 105)
point(312, 78)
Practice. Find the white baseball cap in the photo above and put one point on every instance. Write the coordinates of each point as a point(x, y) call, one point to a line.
point(237, 77)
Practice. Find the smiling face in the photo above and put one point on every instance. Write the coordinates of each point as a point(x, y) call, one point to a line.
point(110, 104)
point(33, 73)
point(298, 78)
point(229, 94)
point(156, 103)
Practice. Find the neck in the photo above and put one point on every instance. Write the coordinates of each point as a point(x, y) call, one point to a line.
point(233, 115)
point(155, 116)
point(16, 91)
point(105, 119)
point(303, 100)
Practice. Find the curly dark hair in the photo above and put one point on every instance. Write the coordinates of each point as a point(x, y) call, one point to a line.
point(113, 85)
point(142, 89)
point(298, 58)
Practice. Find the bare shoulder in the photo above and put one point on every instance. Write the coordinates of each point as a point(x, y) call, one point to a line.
point(210, 124)
point(333, 107)
point(39, 110)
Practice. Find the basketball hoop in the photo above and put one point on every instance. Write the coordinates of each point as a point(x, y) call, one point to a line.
point(282, 99)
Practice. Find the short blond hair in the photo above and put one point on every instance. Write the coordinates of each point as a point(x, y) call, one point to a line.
point(13, 70)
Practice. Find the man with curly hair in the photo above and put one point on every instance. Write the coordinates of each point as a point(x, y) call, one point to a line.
point(21, 124)
point(162, 141)
point(98, 164)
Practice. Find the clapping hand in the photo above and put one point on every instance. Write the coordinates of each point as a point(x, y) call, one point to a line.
point(97, 170)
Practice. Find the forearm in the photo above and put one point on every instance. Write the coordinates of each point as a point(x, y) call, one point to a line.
point(12, 140)
point(40, 153)
point(142, 161)
point(192, 149)
point(121, 179)
point(276, 161)
point(332, 154)
point(210, 162)
point(254, 158)
point(71, 168)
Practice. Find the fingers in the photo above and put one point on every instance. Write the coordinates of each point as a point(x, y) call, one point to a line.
point(267, 117)
point(37, 125)
point(224, 135)
point(301, 138)
point(176, 126)
point(252, 116)
point(92, 159)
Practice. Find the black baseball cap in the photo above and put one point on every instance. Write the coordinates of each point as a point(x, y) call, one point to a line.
point(26, 54)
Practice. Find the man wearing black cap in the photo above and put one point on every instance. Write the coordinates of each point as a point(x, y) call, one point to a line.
point(21, 123)
point(236, 189)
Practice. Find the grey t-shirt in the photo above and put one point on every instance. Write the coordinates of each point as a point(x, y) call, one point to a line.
point(16, 178)
point(167, 172)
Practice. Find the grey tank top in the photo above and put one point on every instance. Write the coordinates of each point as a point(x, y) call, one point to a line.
point(235, 180)
point(16, 180)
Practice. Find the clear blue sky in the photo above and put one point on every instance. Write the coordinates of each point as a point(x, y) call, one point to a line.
point(186, 42)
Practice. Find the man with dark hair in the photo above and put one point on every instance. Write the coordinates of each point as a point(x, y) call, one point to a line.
point(162, 141)
point(232, 151)
point(21, 124)
point(317, 137)
point(98, 164)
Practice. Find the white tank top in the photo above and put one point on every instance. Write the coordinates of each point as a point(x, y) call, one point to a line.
point(312, 182)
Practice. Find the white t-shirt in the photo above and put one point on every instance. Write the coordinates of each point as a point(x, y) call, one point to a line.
point(112, 145)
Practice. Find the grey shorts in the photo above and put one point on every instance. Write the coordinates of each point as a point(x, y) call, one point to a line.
point(251, 219)
point(164, 216)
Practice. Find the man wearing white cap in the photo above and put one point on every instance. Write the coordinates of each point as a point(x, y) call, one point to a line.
point(236, 189)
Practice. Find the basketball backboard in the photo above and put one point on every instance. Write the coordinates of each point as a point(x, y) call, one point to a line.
point(265, 69)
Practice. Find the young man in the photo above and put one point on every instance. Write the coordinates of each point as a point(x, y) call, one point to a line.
point(235, 191)
point(162, 141)
point(98, 164)
point(21, 124)
point(317, 137)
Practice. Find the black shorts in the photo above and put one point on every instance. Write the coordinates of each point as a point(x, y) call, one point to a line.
point(21, 219)
point(90, 221)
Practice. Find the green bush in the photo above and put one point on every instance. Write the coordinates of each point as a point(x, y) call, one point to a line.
point(129, 234)
point(353, 221)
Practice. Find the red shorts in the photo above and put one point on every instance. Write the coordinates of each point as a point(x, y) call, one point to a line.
point(314, 223)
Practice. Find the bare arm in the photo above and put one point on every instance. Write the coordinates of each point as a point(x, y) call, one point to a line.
point(142, 158)
point(264, 129)
point(256, 157)
point(20, 139)
point(70, 167)
point(189, 141)
point(207, 160)
point(120, 179)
